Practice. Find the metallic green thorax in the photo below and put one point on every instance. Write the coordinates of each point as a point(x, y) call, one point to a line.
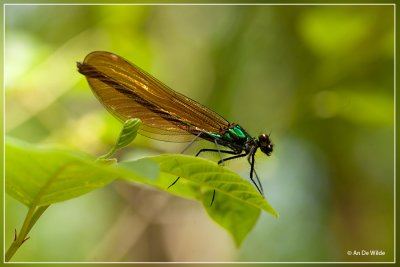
point(231, 134)
point(238, 131)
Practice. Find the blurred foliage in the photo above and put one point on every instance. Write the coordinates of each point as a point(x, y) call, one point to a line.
point(319, 78)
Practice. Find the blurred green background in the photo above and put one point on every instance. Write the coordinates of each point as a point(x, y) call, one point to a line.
point(320, 79)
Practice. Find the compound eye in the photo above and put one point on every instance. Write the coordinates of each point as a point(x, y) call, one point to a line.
point(264, 139)
point(265, 144)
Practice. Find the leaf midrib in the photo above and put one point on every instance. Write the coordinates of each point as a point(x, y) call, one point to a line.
point(49, 182)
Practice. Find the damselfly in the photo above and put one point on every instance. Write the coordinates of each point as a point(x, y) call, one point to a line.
point(127, 91)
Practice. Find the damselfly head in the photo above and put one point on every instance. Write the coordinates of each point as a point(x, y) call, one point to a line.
point(265, 144)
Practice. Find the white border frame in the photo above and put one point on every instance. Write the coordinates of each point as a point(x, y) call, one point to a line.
point(205, 4)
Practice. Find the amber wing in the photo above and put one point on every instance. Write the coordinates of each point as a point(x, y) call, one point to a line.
point(129, 92)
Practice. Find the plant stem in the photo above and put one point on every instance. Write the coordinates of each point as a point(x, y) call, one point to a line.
point(31, 218)
point(39, 211)
point(108, 154)
point(34, 213)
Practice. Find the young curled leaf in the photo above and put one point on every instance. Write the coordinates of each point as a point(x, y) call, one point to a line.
point(127, 135)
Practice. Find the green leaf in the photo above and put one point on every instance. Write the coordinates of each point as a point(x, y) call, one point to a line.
point(234, 215)
point(38, 176)
point(237, 203)
point(127, 135)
